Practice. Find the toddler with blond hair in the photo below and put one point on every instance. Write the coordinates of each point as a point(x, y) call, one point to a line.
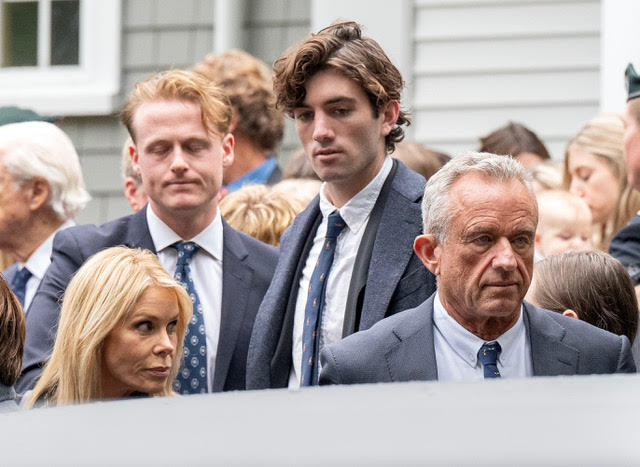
point(564, 223)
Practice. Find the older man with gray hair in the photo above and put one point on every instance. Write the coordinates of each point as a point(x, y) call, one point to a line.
point(41, 191)
point(480, 217)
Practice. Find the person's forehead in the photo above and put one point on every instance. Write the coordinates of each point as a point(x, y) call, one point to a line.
point(475, 194)
point(330, 85)
point(475, 185)
point(156, 117)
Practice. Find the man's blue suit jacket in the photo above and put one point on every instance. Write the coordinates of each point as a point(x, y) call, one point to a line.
point(401, 348)
point(247, 268)
point(396, 279)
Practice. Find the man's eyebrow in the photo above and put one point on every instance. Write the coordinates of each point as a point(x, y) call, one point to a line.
point(331, 101)
point(525, 231)
point(339, 100)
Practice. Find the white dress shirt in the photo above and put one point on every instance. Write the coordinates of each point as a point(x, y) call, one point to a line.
point(206, 272)
point(38, 263)
point(356, 213)
point(457, 349)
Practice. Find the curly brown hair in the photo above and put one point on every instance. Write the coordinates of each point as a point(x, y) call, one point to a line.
point(248, 83)
point(341, 47)
point(12, 332)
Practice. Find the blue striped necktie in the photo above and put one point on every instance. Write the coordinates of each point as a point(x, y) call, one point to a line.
point(488, 355)
point(192, 377)
point(19, 284)
point(315, 302)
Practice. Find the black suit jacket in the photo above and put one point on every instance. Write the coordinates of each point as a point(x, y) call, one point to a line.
point(247, 268)
point(401, 348)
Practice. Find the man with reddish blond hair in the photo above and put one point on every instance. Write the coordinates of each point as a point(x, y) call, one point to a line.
point(179, 124)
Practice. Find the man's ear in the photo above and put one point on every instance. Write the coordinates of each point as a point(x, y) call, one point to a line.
point(227, 150)
point(570, 314)
point(390, 113)
point(38, 193)
point(133, 152)
point(429, 251)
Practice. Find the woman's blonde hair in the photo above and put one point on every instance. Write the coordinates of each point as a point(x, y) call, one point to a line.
point(99, 297)
point(602, 137)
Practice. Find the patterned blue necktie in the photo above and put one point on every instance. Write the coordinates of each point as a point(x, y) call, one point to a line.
point(315, 302)
point(192, 377)
point(488, 355)
point(19, 284)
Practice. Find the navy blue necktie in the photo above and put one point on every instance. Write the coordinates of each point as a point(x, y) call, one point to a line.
point(192, 377)
point(315, 302)
point(488, 355)
point(19, 284)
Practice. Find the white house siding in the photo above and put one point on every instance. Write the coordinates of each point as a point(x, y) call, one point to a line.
point(162, 34)
point(481, 63)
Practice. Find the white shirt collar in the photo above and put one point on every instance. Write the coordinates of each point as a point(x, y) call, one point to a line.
point(209, 240)
point(356, 211)
point(40, 259)
point(466, 344)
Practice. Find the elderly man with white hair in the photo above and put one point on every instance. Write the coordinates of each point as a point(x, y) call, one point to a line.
point(479, 220)
point(41, 191)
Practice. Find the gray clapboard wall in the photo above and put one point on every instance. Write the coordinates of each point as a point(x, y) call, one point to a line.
point(480, 63)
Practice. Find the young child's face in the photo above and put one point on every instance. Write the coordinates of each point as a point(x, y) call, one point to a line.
point(557, 235)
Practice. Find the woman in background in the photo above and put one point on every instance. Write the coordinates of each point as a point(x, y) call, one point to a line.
point(122, 324)
point(594, 169)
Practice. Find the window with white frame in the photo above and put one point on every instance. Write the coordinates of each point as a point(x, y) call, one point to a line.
point(60, 57)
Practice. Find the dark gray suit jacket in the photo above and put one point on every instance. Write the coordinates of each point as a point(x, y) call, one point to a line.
point(395, 278)
point(247, 268)
point(401, 348)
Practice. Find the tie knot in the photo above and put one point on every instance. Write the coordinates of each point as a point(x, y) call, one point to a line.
point(185, 251)
point(335, 224)
point(22, 276)
point(488, 353)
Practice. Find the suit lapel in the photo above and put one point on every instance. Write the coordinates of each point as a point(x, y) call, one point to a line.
point(301, 234)
point(550, 356)
point(138, 235)
point(413, 358)
point(236, 283)
point(399, 225)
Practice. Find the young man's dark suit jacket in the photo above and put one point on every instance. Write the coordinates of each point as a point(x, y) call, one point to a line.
point(247, 269)
point(393, 280)
point(401, 348)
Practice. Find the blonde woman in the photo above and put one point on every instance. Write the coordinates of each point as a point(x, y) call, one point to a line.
point(594, 169)
point(122, 324)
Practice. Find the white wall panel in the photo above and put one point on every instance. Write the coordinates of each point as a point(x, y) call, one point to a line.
point(480, 63)
point(490, 55)
point(491, 19)
point(507, 88)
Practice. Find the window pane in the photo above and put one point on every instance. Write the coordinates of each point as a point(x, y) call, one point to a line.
point(20, 34)
point(65, 32)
